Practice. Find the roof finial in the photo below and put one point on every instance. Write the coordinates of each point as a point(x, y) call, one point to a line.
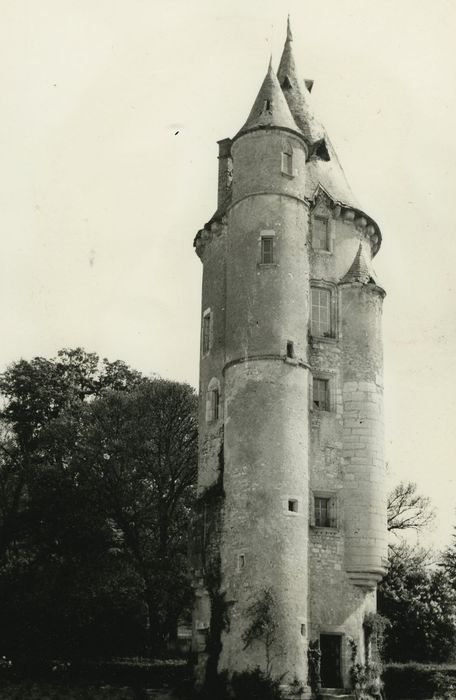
point(289, 34)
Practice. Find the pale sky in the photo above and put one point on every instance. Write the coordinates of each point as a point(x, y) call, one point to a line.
point(100, 199)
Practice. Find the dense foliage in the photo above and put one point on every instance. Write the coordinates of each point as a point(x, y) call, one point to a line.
point(419, 600)
point(449, 560)
point(97, 472)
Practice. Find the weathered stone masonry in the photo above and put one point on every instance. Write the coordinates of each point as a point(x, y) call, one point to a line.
point(291, 469)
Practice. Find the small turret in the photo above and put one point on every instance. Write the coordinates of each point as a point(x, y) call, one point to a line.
point(359, 270)
point(270, 108)
point(269, 152)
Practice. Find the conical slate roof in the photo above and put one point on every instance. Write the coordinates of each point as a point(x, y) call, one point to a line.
point(297, 94)
point(359, 270)
point(323, 168)
point(270, 107)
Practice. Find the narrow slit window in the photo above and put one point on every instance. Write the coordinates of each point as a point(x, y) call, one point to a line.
point(303, 630)
point(290, 349)
point(287, 163)
point(321, 394)
point(321, 313)
point(214, 399)
point(267, 250)
point(241, 561)
point(206, 332)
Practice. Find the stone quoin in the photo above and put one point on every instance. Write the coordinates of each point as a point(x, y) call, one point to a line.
point(291, 477)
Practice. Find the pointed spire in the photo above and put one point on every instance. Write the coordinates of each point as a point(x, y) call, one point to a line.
point(296, 93)
point(323, 168)
point(270, 107)
point(359, 270)
point(289, 34)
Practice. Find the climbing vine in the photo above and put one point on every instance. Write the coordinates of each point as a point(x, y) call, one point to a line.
point(313, 665)
point(262, 627)
point(365, 678)
point(210, 506)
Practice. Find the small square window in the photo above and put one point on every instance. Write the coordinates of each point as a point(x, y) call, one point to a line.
point(287, 163)
point(267, 250)
point(320, 234)
point(321, 394)
point(325, 511)
point(293, 505)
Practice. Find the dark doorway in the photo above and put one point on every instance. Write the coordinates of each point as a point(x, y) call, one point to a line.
point(330, 646)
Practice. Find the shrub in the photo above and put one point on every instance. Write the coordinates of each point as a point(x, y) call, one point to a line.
point(419, 681)
point(444, 686)
point(255, 685)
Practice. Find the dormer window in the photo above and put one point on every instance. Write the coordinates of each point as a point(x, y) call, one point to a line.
point(321, 151)
point(267, 107)
point(320, 233)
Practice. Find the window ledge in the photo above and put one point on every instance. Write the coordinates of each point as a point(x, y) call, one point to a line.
point(329, 530)
point(324, 339)
point(321, 251)
point(291, 360)
point(262, 265)
point(293, 513)
point(288, 175)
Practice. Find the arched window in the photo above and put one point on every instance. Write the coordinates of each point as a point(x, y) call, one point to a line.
point(213, 401)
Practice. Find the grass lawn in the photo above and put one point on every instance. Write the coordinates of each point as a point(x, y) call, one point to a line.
point(55, 691)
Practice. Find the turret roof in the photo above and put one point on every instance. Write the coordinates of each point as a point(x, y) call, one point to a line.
point(296, 93)
point(359, 270)
point(323, 167)
point(270, 107)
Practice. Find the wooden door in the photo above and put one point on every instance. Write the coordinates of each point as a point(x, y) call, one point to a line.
point(330, 670)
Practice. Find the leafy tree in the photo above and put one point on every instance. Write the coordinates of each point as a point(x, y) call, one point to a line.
point(407, 509)
point(449, 560)
point(96, 482)
point(418, 599)
point(140, 455)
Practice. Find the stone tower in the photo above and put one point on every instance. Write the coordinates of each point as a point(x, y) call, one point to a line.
point(291, 470)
